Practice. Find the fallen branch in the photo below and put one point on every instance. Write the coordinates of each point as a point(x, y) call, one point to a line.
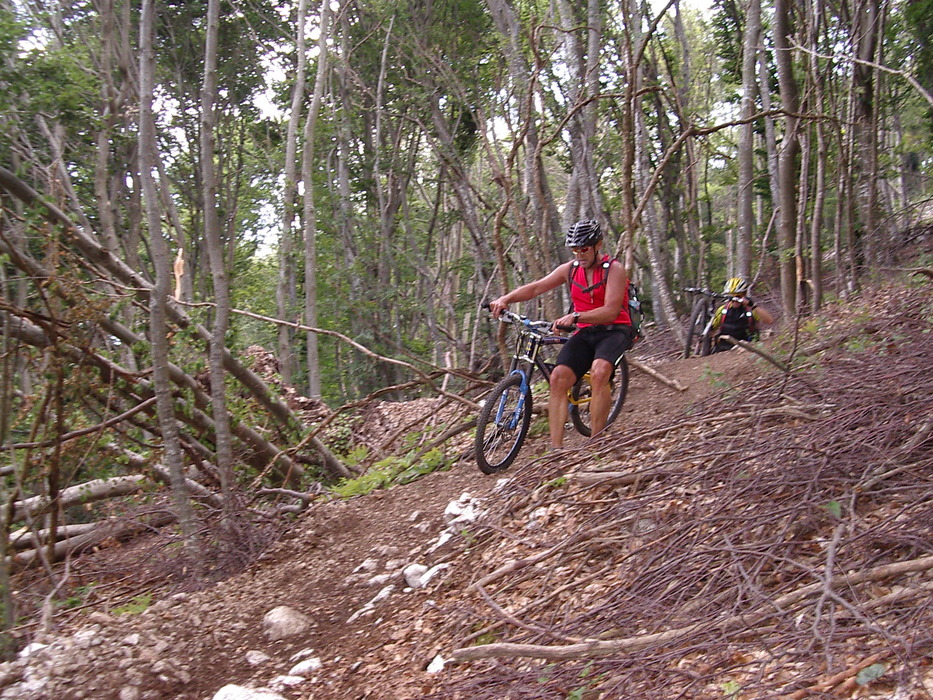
point(25, 538)
point(517, 564)
point(95, 490)
point(829, 683)
point(745, 345)
point(83, 431)
point(654, 374)
point(117, 532)
point(594, 647)
point(618, 478)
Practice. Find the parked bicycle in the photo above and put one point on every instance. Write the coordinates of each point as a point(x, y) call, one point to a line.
point(506, 414)
point(700, 332)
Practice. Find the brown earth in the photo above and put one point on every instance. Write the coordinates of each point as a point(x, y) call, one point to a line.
point(315, 568)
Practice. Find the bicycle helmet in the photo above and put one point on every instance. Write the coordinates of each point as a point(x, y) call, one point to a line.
point(736, 286)
point(584, 233)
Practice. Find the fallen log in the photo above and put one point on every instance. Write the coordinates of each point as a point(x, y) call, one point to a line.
point(116, 531)
point(95, 490)
point(654, 374)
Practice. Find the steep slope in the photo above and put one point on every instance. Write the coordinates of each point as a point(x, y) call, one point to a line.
point(733, 539)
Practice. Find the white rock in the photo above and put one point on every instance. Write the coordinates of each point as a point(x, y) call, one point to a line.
point(380, 580)
point(436, 665)
point(430, 573)
point(283, 621)
point(368, 566)
point(129, 692)
point(287, 681)
point(255, 657)
point(304, 654)
point(239, 692)
point(370, 606)
point(31, 649)
point(441, 541)
point(306, 667)
point(413, 574)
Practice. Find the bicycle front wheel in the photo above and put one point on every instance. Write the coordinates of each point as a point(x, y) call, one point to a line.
point(581, 393)
point(502, 425)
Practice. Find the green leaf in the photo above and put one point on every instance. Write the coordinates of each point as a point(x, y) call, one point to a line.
point(870, 673)
point(731, 688)
point(834, 508)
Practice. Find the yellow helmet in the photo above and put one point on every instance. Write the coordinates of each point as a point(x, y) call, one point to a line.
point(735, 286)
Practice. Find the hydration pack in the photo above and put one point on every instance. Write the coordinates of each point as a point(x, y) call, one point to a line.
point(634, 303)
point(738, 322)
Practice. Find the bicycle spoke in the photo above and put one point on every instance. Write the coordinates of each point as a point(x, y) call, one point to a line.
point(502, 425)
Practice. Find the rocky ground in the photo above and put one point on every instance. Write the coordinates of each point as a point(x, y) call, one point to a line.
point(493, 544)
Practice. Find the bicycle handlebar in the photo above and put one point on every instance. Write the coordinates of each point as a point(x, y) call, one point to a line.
point(707, 292)
point(538, 326)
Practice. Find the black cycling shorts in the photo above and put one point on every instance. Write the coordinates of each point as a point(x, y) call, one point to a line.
point(590, 343)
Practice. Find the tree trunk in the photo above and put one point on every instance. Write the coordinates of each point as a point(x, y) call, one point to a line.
point(310, 211)
point(160, 292)
point(746, 152)
point(285, 291)
point(787, 218)
point(866, 28)
point(215, 250)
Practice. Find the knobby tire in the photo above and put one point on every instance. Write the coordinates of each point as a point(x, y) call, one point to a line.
point(498, 442)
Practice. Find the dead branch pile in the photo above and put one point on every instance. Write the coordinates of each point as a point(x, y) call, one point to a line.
point(777, 541)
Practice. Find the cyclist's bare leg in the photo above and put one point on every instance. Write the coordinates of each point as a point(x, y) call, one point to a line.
point(601, 396)
point(562, 378)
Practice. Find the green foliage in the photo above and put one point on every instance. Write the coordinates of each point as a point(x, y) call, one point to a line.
point(140, 603)
point(485, 638)
point(834, 508)
point(11, 33)
point(731, 689)
point(870, 673)
point(389, 472)
point(538, 427)
point(78, 596)
point(716, 379)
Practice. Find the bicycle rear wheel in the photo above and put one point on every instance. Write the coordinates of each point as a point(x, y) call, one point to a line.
point(502, 425)
point(581, 393)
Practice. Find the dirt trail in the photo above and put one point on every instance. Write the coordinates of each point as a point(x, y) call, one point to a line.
point(316, 568)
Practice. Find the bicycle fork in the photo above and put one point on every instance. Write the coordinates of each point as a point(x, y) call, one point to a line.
point(519, 406)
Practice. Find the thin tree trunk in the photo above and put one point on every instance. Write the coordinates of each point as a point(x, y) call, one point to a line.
point(310, 210)
point(215, 250)
point(286, 295)
point(787, 218)
point(160, 292)
point(746, 153)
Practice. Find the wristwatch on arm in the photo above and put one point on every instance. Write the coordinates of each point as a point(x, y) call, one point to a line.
point(576, 317)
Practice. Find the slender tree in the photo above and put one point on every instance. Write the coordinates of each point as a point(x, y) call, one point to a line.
point(160, 292)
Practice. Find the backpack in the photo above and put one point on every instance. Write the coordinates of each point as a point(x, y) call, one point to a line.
point(634, 303)
point(738, 322)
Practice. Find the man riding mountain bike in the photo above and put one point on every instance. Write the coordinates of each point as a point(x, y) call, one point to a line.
point(599, 292)
point(740, 317)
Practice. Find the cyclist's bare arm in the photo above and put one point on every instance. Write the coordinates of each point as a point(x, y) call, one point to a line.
point(529, 291)
point(763, 315)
